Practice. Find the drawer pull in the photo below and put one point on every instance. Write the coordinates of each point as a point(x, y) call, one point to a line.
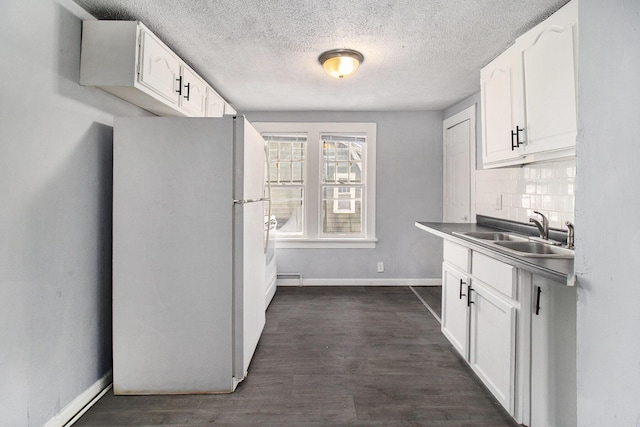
point(539, 291)
point(469, 289)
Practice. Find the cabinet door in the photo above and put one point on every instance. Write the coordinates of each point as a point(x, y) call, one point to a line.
point(215, 104)
point(159, 68)
point(455, 313)
point(493, 343)
point(501, 90)
point(549, 55)
point(553, 354)
point(193, 99)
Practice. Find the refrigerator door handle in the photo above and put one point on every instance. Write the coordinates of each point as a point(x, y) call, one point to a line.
point(267, 236)
point(245, 201)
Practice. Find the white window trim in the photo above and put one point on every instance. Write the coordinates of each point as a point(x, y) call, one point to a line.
point(311, 237)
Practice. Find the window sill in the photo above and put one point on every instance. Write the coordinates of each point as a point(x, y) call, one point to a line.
point(301, 243)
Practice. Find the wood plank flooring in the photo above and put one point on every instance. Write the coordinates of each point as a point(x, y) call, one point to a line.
point(332, 356)
point(432, 296)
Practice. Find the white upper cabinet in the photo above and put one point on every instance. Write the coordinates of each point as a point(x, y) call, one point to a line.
point(193, 93)
point(126, 59)
point(501, 97)
point(529, 95)
point(159, 68)
point(549, 58)
point(215, 104)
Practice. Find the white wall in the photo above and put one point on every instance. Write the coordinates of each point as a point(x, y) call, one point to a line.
point(55, 214)
point(607, 210)
point(409, 189)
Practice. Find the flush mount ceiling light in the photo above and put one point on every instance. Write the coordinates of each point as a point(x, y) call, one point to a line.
point(340, 63)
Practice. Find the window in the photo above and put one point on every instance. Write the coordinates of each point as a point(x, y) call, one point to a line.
point(286, 176)
point(322, 178)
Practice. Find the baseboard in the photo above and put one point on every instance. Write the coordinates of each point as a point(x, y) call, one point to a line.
point(360, 282)
point(78, 406)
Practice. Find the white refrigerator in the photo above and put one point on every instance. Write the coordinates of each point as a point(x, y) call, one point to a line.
point(188, 253)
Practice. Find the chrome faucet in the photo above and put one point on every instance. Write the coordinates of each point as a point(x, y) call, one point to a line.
point(570, 235)
point(543, 228)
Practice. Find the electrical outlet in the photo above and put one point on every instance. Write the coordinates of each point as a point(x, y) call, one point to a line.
point(380, 267)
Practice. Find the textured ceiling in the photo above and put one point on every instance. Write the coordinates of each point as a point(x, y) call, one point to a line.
point(262, 54)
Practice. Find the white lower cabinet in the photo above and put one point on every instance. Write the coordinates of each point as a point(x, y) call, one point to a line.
point(517, 332)
point(553, 354)
point(492, 349)
point(455, 310)
point(478, 319)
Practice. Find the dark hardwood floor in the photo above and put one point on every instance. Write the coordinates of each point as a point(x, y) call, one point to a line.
point(432, 296)
point(334, 356)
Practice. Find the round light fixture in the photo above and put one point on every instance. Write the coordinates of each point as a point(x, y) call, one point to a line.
point(340, 63)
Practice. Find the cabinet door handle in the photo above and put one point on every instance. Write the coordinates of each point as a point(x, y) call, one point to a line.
point(539, 291)
point(188, 86)
point(469, 289)
point(516, 135)
point(462, 282)
point(179, 80)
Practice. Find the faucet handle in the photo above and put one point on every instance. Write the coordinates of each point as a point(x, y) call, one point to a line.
point(570, 235)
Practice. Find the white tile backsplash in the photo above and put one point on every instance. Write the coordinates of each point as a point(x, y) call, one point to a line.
point(546, 187)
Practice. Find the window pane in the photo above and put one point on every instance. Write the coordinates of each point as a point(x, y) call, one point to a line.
point(342, 192)
point(342, 151)
point(342, 172)
point(284, 170)
point(355, 172)
point(329, 151)
point(342, 210)
point(356, 151)
point(273, 172)
point(329, 173)
point(284, 151)
point(286, 207)
point(297, 172)
point(297, 153)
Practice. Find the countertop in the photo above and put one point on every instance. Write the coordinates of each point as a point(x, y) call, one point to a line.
point(558, 269)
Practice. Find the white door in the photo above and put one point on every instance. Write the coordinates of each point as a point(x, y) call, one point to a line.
point(459, 166)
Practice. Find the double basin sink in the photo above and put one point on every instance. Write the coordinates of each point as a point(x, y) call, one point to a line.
point(520, 245)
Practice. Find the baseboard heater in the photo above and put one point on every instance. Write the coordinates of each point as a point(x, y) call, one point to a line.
point(289, 279)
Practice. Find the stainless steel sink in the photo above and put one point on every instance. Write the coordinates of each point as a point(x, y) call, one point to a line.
point(495, 236)
point(519, 244)
point(535, 249)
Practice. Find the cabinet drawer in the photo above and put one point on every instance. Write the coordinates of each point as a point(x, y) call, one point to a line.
point(498, 275)
point(456, 255)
